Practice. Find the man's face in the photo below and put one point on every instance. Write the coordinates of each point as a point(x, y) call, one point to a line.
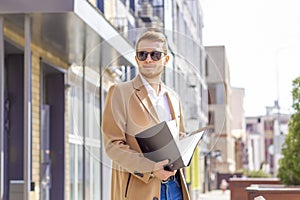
point(150, 68)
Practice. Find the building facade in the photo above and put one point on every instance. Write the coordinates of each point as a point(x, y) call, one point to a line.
point(221, 142)
point(238, 126)
point(58, 59)
point(265, 136)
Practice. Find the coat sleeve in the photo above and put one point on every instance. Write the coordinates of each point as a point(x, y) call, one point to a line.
point(114, 138)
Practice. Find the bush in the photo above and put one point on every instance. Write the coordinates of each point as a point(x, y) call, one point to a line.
point(289, 165)
point(257, 174)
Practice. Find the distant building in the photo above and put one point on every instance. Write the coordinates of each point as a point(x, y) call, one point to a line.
point(238, 126)
point(219, 100)
point(265, 137)
point(225, 115)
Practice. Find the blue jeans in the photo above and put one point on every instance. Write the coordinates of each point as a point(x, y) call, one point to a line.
point(170, 190)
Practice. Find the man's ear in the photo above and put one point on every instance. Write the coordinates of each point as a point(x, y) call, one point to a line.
point(136, 60)
point(167, 57)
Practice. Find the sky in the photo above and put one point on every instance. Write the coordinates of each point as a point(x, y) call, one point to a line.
point(262, 42)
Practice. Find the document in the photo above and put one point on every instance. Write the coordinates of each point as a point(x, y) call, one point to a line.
point(161, 142)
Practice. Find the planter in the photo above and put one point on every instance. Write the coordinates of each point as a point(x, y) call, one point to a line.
point(273, 192)
point(238, 186)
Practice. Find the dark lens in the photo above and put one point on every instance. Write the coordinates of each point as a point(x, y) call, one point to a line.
point(142, 55)
point(155, 55)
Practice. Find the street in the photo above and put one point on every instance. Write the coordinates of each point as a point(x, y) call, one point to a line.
point(215, 195)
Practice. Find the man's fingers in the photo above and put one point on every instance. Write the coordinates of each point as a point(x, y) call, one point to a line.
point(164, 162)
point(160, 164)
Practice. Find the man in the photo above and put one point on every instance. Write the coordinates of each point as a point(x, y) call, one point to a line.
point(132, 107)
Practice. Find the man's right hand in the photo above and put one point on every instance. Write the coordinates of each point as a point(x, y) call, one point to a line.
point(159, 171)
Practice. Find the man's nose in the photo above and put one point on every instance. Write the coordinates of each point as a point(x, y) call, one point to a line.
point(148, 59)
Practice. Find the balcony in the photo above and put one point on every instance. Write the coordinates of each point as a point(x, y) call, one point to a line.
point(69, 29)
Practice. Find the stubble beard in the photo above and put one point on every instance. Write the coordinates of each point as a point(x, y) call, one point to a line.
point(156, 73)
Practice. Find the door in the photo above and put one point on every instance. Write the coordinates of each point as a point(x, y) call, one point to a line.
point(14, 127)
point(52, 133)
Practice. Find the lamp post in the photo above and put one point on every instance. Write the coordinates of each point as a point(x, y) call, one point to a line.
point(274, 148)
point(208, 155)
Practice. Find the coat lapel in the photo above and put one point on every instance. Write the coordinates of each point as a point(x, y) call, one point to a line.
point(171, 107)
point(142, 94)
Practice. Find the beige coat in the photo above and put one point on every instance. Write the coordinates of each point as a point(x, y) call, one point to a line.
point(128, 110)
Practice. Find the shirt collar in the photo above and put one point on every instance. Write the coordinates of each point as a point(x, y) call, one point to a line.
point(150, 89)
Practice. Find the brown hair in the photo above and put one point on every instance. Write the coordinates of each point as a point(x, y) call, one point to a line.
point(154, 36)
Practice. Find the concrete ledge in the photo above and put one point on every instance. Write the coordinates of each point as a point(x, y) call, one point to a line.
point(273, 192)
point(238, 186)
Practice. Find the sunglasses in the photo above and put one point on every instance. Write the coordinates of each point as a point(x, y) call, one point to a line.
point(155, 55)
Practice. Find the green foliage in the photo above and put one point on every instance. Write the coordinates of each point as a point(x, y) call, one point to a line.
point(289, 165)
point(257, 174)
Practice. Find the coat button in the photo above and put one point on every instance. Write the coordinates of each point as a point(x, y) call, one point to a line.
point(155, 198)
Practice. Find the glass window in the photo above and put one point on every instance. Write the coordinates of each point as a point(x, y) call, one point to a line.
point(220, 93)
point(96, 174)
point(92, 117)
point(211, 118)
point(216, 93)
point(132, 5)
point(72, 171)
point(211, 94)
point(88, 172)
point(79, 172)
point(123, 1)
point(76, 164)
point(101, 5)
point(84, 112)
point(75, 111)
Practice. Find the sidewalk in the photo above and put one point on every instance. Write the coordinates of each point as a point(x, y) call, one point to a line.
point(215, 195)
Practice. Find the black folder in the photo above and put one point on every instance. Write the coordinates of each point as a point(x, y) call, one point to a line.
point(161, 142)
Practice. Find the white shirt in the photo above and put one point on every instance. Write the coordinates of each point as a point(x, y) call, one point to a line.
point(160, 101)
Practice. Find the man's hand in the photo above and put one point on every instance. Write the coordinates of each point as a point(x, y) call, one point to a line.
point(159, 171)
point(181, 135)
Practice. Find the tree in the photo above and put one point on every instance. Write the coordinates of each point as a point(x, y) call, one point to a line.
point(289, 165)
